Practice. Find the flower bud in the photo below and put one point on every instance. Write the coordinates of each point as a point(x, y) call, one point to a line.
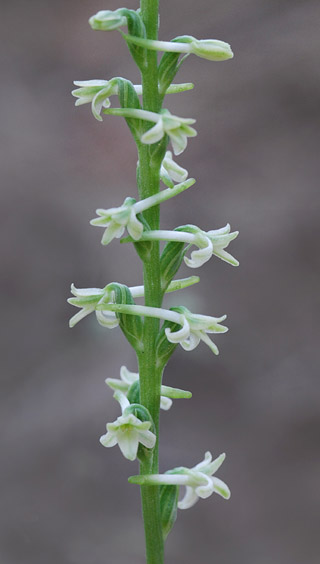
point(107, 20)
point(211, 49)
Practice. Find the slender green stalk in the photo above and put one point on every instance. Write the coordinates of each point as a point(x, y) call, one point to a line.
point(150, 377)
point(140, 396)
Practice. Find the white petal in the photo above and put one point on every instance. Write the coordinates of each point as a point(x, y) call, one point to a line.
point(114, 230)
point(86, 292)
point(204, 337)
point(226, 257)
point(80, 315)
point(202, 255)
point(191, 343)
point(127, 376)
point(189, 499)
point(109, 439)
point(205, 490)
point(221, 488)
point(147, 438)
point(165, 403)
point(178, 140)
point(107, 319)
point(204, 463)
point(100, 100)
point(128, 442)
point(181, 334)
point(213, 466)
point(134, 227)
point(86, 83)
point(154, 134)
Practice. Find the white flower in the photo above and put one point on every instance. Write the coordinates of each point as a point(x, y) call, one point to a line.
point(128, 431)
point(171, 172)
point(96, 92)
point(199, 480)
point(115, 220)
point(178, 129)
point(209, 243)
point(194, 329)
point(126, 380)
point(212, 243)
point(88, 299)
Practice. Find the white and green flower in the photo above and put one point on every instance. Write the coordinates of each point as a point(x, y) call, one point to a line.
point(178, 129)
point(195, 328)
point(199, 481)
point(209, 243)
point(87, 299)
point(95, 92)
point(116, 220)
point(128, 378)
point(171, 172)
point(128, 431)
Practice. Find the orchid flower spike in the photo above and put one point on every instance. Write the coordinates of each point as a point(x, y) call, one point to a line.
point(171, 172)
point(194, 329)
point(128, 431)
point(199, 480)
point(88, 299)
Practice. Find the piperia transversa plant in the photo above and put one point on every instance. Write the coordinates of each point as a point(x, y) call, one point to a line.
point(153, 331)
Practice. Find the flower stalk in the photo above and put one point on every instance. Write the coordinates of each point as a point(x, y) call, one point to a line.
point(153, 331)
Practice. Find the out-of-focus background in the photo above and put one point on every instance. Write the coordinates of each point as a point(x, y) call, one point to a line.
point(65, 499)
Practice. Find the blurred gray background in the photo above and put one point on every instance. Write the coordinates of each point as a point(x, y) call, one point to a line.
point(65, 499)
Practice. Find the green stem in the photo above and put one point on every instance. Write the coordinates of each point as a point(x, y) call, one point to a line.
point(150, 376)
